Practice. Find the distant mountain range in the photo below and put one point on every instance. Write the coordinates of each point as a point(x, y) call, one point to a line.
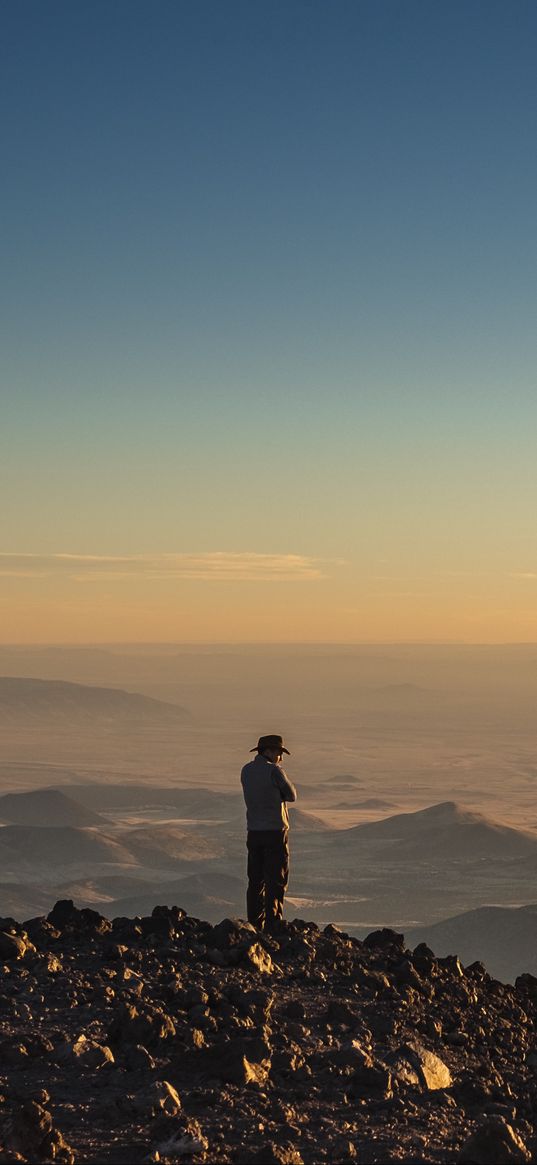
point(31, 702)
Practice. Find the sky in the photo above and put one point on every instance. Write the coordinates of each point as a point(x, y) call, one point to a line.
point(268, 321)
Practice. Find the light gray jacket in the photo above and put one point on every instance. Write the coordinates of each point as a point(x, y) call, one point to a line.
point(266, 788)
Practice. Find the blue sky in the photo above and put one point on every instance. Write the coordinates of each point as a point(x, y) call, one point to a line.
point(269, 283)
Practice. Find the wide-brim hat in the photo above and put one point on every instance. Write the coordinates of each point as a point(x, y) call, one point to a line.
point(275, 742)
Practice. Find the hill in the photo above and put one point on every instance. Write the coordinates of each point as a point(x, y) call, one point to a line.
point(55, 702)
point(30, 847)
point(402, 825)
point(208, 895)
point(158, 845)
point(369, 803)
point(444, 832)
point(166, 1038)
point(46, 807)
point(18, 898)
point(503, 938)
point(189, 801)
point(306, 822)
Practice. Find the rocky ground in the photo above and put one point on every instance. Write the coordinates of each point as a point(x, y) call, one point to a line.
point(167, 1039)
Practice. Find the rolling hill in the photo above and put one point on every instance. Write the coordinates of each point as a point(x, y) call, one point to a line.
point(212, 895)
point(504, 938)
point(306, 822)
point(159, 845)
point(54, 702)
point(46, 807)
point(189, 802)
point(443, 832)
point(26, 899)
point(24, 847)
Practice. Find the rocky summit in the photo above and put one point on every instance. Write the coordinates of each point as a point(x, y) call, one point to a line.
point(165, 1038)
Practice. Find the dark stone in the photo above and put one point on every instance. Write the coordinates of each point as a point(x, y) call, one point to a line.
point(232, 932)
point(147, 1027)
point(526, 985)
point(385, 939)
point(371, 1078)
point(63, 913)
point(138, 1058)
point(157, 927)
point(405, 974)
point(32, 1135)
point(477, 971)
point(175, 914)
point(127, 928)
point(294, 1009)
point(340, 1013)
point(494, 1143)
point(332, 931)
point(41, 932)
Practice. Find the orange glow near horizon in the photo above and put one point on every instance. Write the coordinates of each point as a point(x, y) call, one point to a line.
point(329, 610)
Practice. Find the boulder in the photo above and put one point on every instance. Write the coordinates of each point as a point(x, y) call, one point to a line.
point(185, 1139)
point(65, 915)
point(241, 1061)
point(385, 939)
point(138, 1059)
point(232, 932)
point(31, 1134)
point(414, 1064)
point(87, 1052)
point(12, 947)
point(41, 932)
point(146, 1027)
point(527, 985)
point(258, 959)
point(340, 1013)
point(494, 1143)
point(156, 1099)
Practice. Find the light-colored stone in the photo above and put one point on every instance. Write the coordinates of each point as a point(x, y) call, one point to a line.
point(159, 1097)
point(256, 957)
point(414, 1064)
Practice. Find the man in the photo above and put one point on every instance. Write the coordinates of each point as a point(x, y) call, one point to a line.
point(266, 789)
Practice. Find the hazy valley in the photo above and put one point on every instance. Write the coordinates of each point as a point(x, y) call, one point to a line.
point(415, 769)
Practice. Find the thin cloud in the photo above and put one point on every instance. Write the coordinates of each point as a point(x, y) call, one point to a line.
point(216, 566)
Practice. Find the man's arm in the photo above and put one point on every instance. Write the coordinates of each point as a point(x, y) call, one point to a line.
point(282, 782)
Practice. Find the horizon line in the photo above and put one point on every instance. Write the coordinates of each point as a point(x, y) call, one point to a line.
point(269, 643)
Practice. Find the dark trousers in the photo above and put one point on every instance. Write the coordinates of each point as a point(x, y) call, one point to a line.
point(268, 875)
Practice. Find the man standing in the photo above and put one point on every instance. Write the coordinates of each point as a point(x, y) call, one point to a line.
point(266, 789)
